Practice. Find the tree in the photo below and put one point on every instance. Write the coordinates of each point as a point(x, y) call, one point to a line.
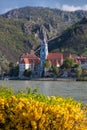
point(84, 72)
point(14, 71)
point(55, 70)
point(11, 65)
point(27, 73)
point(76, 65)
point(68, 63)
point(46, 66)
point(78, 71)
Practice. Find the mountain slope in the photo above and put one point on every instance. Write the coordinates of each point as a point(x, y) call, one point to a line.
point(14, 40)
point(73, 40)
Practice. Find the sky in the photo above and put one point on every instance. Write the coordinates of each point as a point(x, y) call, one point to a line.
point(67, 5)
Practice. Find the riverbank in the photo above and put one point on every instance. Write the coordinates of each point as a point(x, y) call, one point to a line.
point(42, 79)
point(82, 79)
point(53, 79)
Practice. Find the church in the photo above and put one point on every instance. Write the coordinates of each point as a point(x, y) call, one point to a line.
point(55, 59)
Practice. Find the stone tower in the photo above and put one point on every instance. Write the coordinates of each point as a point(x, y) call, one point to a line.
point(43, 50)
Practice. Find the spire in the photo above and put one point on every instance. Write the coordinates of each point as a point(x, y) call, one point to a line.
point(43, 48)
point(43, 34)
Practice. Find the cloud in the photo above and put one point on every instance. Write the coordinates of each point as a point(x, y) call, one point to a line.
point(85, 7)
point(73, 8)
point(7, 9)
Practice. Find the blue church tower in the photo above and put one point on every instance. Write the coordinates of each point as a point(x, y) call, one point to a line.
point(43, 51)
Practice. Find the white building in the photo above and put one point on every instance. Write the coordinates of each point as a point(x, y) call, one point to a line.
point(28, 61)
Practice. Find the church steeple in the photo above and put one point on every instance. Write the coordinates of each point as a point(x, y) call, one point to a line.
point(43, 49)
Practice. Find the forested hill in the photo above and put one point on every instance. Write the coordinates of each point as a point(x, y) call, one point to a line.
point(73, 40)
point(20, 30)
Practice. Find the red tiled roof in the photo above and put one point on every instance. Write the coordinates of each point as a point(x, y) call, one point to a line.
point(82, 58)
point(54, 56)
point(30, 56)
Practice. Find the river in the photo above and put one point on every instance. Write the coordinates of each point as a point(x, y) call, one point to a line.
point(77, 90)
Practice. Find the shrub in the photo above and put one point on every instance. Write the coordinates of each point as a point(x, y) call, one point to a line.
point(32, 111)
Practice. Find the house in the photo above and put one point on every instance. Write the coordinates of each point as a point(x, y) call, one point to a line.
point(55, 59)
point(28, 61)
point(82, 60)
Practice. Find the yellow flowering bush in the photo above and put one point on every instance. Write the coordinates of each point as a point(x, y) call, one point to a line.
point(37, 112)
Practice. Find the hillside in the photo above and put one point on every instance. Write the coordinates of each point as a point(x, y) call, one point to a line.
point(20, 31)
point(73, 40)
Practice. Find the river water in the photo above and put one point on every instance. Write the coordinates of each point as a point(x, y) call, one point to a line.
point(77, 90)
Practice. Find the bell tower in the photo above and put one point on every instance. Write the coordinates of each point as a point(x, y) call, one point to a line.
point(43, 50)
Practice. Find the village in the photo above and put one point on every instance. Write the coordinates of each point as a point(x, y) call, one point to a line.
point(48, 65)
point(59, 65)
point(51, 64)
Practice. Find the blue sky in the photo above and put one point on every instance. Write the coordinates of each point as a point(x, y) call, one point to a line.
point(67, 5)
